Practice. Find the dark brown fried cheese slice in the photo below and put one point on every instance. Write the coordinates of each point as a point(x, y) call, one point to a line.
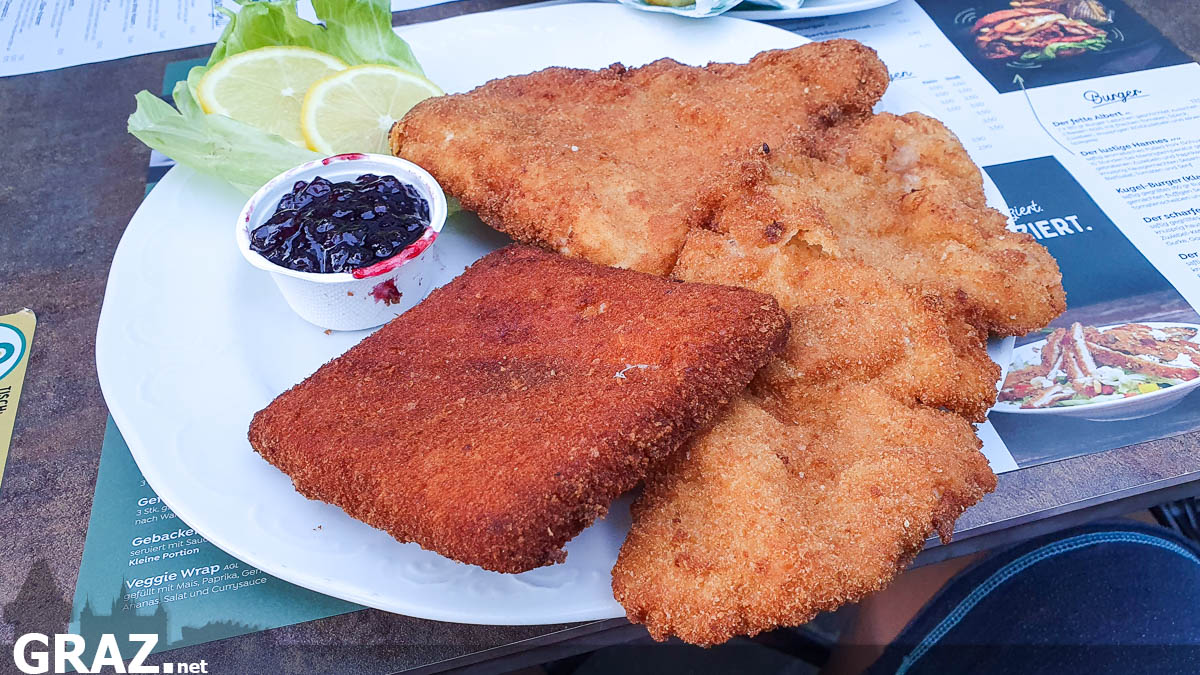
point(495, 420)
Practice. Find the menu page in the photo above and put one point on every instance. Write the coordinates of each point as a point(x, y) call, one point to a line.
point(145, 571)
point(1089, 124)
point(48, 34)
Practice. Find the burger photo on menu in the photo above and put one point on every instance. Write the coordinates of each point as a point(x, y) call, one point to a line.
point(1032, 35)
point(1018, 44)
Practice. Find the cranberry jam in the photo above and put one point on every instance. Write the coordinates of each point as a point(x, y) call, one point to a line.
point(339, 227)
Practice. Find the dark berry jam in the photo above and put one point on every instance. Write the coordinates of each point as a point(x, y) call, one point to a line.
point(339, 227)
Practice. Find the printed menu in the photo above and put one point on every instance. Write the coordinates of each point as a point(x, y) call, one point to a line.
point(145, 571)
point(1088, 121)
point(42, 35)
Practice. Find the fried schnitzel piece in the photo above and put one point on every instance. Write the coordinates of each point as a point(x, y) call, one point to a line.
point(608, 165)
point(850, 321)
point(903, 153)
point(822, 484)
point(901, 194)
point(761, 523)
point(502, 415)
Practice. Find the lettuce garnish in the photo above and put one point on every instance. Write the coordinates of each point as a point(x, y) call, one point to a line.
point(356, 31)
point(1050, 51)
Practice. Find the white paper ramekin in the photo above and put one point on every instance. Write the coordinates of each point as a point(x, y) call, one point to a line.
point(343, 300)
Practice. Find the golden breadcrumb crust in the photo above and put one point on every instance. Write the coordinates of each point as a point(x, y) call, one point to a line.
point(761, 523)
point(855, 444)
point(824, 481)
point(901, 193)
point(606, 165)
point(498, 418)
point(872, 232)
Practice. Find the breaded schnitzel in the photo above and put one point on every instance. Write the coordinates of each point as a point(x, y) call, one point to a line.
point(872, 232)
point(759, 523)
point(822, 484)
point(901, 193)
point(607, 165)
point(850, 321)
point(502, 415)
point(855, 444)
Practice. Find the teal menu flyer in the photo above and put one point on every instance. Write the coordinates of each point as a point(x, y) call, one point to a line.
point(146, 571)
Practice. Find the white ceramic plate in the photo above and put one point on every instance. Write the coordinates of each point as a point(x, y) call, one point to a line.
point(1142, 405)
point(810, 8)
point(192, 342)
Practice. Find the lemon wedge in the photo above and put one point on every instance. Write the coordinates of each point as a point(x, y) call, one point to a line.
point(353, 110)
point(265, 87)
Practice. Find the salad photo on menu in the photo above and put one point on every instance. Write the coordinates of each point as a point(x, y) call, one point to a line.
point(1084, 365)
point(1122, 363)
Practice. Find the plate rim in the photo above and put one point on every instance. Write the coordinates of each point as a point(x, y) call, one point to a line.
point(801, 12)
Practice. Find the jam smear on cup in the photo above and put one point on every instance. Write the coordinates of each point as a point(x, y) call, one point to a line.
point(321, 226)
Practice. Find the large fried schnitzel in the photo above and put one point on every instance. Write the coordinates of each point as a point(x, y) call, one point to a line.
point(502, 415)
point(607, 165)
point(855, 444)
point(901, 193)
point(761, 523)
point(821, 484)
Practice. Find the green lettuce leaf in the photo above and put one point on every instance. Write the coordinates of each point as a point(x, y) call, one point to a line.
point(356, 31)
point(245, 156)
point(1050, 52)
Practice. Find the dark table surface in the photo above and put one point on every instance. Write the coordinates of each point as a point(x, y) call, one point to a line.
point(73, 178)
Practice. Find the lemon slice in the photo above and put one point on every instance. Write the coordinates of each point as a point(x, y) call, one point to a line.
point(353, 110)
point(265, 87)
